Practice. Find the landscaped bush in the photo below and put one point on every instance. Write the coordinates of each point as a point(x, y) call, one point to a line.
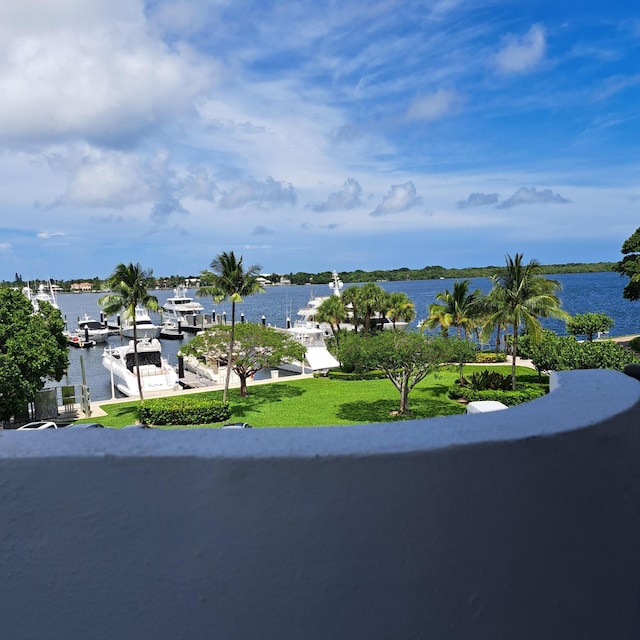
point(189, 409)
point(490, 356)
point(362, 375)
point(525, 393)
point(488, 380)
point(634, 344)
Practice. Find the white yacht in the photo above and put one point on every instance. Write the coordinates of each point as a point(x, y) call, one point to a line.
point(91, 329)
point(43, 294)
point(145, 327)
point(317, 358)
point(181, 308)
point(155, 372)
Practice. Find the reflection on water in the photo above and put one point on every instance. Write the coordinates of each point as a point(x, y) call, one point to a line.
point(600, 292)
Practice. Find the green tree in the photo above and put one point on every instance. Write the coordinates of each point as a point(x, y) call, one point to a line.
point(589, 324)
point(400, 308)
point(365, 303)
point(405, 357)
point(33, 348)
point(459, 308)
point(254, 348)
point(524, 296)
point(128, 289)
point(630, 266)
point(332, 311)
point(228, 279)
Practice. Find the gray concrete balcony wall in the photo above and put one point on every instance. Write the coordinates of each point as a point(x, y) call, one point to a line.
point(519, 524)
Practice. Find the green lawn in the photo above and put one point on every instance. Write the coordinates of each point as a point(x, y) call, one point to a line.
point(322, 401)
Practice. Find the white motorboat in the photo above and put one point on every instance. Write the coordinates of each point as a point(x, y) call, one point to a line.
point(145, 326)
point(181, 308)
point(317, 359)
point(92, 329)
point(156, 375)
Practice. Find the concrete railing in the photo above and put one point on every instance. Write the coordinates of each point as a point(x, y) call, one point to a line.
point(520, 524)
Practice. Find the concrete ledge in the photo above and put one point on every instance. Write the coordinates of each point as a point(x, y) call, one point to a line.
point(519, 524)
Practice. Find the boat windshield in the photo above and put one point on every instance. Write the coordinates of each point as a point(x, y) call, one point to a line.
point(144, 358)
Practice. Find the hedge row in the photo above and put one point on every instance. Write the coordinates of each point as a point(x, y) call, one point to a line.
point(510, 398)
point(191, 409)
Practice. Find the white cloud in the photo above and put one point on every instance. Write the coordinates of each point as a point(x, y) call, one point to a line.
point(96, 76)
point(530, 195)
point(434, 106)
point(269, 192)
point(46, 235)
point(5, 246)
point(519, 55)
point(401, 197)
point(478, 200)
point(346, 198)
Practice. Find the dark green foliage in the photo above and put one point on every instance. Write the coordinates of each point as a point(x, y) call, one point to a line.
point(524, 393)
point(589, 324)
point(630, 265)
point(190, 409)
point(365, 375)
point(490, 357)
point(32, 348)
point(634, 344)
point(485, 379)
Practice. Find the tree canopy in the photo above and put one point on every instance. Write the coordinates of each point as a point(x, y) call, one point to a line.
point(255, 347)
point(33, 348)
point(630, 266)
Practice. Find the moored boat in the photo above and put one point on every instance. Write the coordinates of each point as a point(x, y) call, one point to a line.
point(92, 329)
point(156, 374)
point(145, 328)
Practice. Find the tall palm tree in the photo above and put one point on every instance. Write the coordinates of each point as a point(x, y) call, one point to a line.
point(400, 308)
point(524, 296)
point(367, 301)
point(333, 311)
point(128, 284)
point(228, 279)
point(458, 309)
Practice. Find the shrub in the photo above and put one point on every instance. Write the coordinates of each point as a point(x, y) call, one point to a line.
point(634, 344)
point(183, 410)
point(351, 375)
point(483, 380)
point(525, 393)
point(488, 357)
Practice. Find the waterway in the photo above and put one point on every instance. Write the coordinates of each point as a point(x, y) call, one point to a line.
point(596, 292)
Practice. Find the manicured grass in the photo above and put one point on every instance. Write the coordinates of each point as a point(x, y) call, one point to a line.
point(322, 401)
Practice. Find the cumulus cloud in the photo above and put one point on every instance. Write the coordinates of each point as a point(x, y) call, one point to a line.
point(519, 55)
point(198, 184)
point(267, 193)
point(401, 197)
point(478, 200)
point(530, 195)
point(261, 230)
point(100, 76)
point(346, 198)
point(434, 106)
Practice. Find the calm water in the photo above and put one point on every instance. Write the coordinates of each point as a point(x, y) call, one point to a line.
point(600, 292)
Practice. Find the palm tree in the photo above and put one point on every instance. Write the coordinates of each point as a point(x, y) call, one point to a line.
point(400, 308)
point(128, 285)
point(366, 302)
point(333, 311)
point(457, 309)
point(228, 279)
point(523, 296)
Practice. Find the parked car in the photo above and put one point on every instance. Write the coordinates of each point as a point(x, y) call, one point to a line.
point(86, 425)
point(237, 425)
point(38, 425)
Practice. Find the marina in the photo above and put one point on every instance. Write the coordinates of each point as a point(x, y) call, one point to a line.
point(598, 292)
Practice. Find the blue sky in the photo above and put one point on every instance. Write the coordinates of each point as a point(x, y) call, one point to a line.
point(315, 135)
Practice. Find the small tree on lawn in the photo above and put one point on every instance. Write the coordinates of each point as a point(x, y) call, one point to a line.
point(406, 359)
point(589, 324)
point(255, 347)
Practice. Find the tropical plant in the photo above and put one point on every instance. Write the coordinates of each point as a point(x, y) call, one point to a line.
point(332, 311)
point(128, 290)
point(32, 348)
point(367, 301)
point(255, 347)
point(589, 324)
point(458, 308)
point(630, 265)
point(228, 279)
point(400, 308)
point(523, 297)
